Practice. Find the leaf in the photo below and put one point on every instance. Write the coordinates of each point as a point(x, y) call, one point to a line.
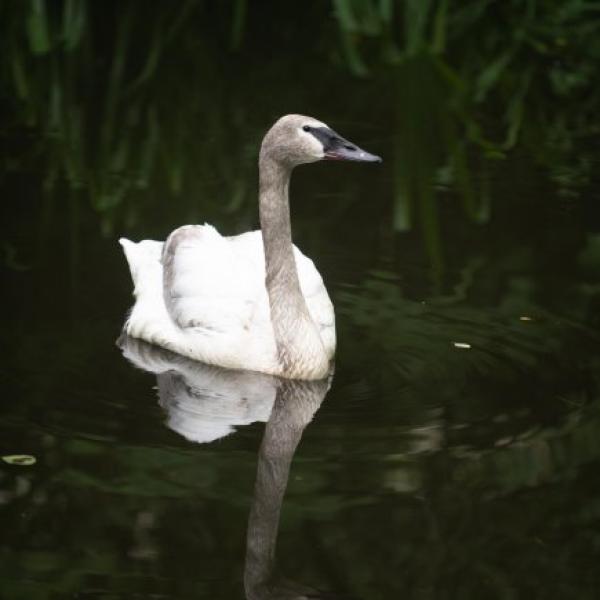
point(21, 460)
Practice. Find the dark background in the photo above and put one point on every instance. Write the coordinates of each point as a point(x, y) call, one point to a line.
point(429, 471)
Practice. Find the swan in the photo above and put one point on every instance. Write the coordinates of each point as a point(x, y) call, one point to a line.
point(249, 302)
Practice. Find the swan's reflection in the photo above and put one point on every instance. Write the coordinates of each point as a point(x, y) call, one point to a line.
point(205, 403)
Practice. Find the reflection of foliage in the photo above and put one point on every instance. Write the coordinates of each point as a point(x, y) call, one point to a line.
point(153, 516)
point(470, 336)
point(499, 460)
point(423, 334)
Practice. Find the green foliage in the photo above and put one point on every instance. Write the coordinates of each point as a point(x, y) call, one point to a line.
point(108, 129)
point(459, 79)
point(519, 62)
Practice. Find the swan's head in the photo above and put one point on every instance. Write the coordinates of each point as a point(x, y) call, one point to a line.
point(296, 139)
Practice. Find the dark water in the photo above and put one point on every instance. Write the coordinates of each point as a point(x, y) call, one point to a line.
point(455, 453)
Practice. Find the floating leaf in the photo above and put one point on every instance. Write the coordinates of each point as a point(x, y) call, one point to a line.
point(22, 460)
point(462, 345)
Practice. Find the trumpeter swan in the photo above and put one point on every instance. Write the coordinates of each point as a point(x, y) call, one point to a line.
point(251, 301)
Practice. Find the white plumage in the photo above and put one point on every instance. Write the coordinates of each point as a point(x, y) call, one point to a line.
point(217, 307)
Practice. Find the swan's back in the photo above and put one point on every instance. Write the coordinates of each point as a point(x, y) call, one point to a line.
point(207, 282)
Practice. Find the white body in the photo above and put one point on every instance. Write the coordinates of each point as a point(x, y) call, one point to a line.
point(209, 302)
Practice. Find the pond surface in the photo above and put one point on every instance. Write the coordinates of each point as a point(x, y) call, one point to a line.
point(454, 453)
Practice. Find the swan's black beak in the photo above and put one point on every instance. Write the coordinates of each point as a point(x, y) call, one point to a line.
point(336, 147)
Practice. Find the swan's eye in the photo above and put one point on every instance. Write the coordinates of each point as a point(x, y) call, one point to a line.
point(306, 128)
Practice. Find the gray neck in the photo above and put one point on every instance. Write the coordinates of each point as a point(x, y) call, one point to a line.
point(274, 209)
point(299, 344)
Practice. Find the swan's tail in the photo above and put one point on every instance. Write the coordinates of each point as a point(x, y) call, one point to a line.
point(129, 249)
point(148, 319)
point(143, 259)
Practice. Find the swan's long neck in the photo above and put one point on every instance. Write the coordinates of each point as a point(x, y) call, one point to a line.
point(299, 346)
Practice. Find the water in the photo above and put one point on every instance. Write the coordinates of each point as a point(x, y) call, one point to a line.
point(454, 452)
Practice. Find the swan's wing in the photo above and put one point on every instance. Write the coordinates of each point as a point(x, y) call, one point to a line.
point(207, 284)
point(148, 320)
point(143, 259)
